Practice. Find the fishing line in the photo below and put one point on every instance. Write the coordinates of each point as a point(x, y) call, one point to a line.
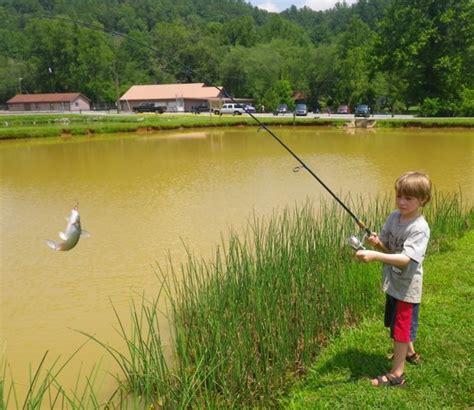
point(185, 68)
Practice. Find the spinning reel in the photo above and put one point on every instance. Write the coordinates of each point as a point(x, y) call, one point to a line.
point(355, 243)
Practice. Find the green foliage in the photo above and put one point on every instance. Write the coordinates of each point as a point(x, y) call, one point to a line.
point(425, 43)
point(280, 93)
point(353, 69)
point(466, 106)
point(278, 27)
point(434, 107)
point(67, 58)
point(241, 31)
point(388, 54)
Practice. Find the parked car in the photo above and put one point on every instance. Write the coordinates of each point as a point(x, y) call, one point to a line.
point(281, 109)
point(343, 109)
point(250, 108)
point(149, 107)
point(301, 110)
point(198, 109)
point(230, 108)
point(362, 110)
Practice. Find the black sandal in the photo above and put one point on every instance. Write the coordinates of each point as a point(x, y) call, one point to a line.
point(391, 381)
point(414, 358)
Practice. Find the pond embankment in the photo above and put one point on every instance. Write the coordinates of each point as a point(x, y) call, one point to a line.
point(57, 125)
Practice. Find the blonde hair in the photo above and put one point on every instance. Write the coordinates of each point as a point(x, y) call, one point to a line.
point(415, 184)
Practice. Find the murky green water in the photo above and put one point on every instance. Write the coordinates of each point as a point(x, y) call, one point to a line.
point(142, 196)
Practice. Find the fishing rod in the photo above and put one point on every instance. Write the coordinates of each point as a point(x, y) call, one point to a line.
point(303, 165)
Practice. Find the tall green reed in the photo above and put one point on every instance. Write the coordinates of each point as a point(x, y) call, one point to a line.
point(254, 317)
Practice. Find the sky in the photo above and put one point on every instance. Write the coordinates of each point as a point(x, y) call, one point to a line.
point(280, 5)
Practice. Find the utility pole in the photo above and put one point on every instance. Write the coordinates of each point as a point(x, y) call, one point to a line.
point(19, 84)
point(117, 86)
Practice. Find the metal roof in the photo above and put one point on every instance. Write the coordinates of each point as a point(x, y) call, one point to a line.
point(196, 91)
point(45, 98)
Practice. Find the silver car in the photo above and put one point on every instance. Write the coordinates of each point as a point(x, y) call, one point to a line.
point(230, 108)
point(301, 109)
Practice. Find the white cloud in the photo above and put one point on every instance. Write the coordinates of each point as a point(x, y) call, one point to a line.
point(269, 6)
point(276, 6)
point(319, 5)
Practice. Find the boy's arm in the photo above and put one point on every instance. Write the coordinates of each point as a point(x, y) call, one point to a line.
point(397, 259)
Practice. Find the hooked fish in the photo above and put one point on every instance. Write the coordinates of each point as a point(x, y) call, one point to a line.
point(70, 237)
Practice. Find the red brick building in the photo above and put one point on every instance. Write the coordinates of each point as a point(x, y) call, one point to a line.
point(49, 102)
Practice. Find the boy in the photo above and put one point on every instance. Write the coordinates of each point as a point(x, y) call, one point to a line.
point(403, 243)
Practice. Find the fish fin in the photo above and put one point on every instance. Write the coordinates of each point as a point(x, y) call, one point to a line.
point(85, 233)
point(52, 244)
point(63, 236)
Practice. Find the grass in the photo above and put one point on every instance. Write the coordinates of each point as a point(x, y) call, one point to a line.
point(427, 123)
point(249, 323)
point(34, 126)
point(340, 376)
point(252, 321)
point(54, 125)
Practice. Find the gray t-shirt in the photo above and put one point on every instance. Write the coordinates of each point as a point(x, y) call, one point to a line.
point(411, 239)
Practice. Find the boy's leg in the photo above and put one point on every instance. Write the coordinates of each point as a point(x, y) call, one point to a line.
point(400, 351)
point(411, 349)
point(402, 318)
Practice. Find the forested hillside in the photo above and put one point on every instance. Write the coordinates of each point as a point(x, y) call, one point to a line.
point(391, 54)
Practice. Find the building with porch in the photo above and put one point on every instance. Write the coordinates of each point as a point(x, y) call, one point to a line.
point(172, 97)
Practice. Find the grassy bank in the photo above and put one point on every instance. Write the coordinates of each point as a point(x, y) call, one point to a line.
point(26, 126)
point(426, 123)
point(340, 376)
point(35, 125)
point(249, 323)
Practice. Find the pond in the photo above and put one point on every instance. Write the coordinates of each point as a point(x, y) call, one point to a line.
point(145, 196)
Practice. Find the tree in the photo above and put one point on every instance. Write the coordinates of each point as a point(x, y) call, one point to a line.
point(280, 93)
point(277, 27)
point(354, 63)
point(234, 73)
point(240, 31)
point(323, 80)
point(426, 43)
point(67, 58)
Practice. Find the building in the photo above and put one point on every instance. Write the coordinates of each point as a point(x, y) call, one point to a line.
point(172, 97)
point(49, 102)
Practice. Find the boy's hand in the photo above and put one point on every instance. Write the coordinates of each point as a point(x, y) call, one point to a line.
point(367, 256)
point(373, 239)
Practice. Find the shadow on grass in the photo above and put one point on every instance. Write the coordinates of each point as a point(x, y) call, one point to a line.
point(357, 363)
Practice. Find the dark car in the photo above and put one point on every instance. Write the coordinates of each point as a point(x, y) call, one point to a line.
point(281, 109)
point(301, 109)
point(250, 108)
point(343, 109)
point(149, 107)
point(198, 109)
point(362, 110)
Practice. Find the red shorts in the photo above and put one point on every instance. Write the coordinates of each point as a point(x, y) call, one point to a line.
point(402, 319)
